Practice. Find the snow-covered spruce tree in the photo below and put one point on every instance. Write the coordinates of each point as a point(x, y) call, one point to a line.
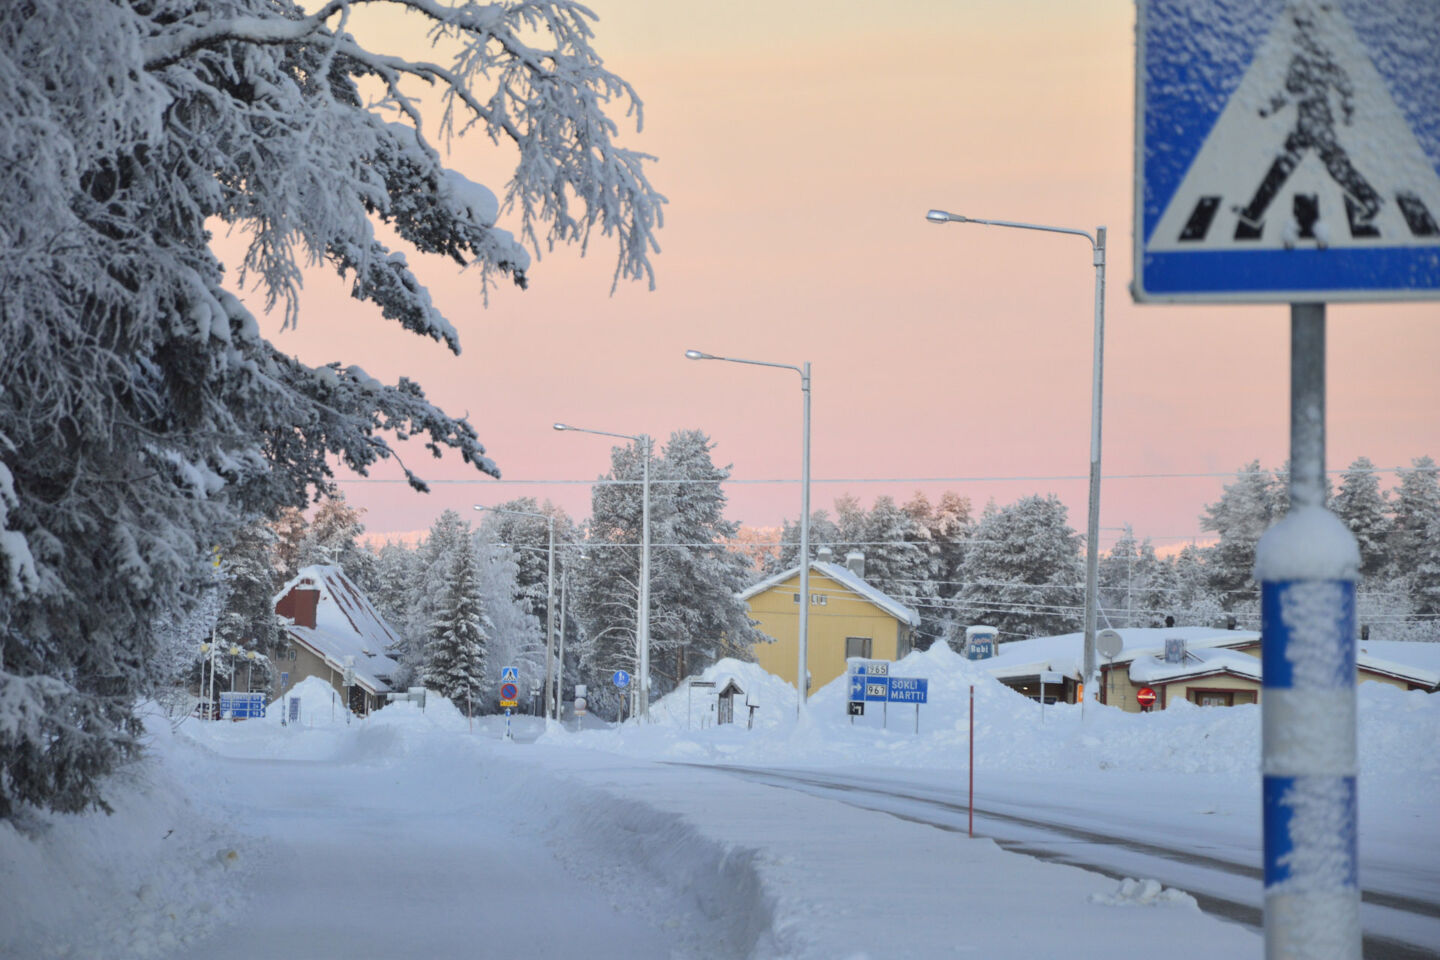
point(143, 416)
point(823, 532)
point(695, 617)
point(389, 590)
point(430, 570)
point(529, 538)
point(695, 607)
point(250, 582)
point(332, 537)
point(1417, 506)
point(1023, 571)
point(456, 648)
point(1245, 510)
point(516, 638)
point(1362, 508)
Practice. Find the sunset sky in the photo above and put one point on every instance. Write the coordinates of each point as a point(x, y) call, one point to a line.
point(800, 144)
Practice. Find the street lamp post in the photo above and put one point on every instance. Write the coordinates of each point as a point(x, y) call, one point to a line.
point(552, 703)
point(802, 679)
point(643, 614)
point(1092, 534)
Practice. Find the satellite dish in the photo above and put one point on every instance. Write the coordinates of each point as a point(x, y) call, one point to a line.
point(1109, 643)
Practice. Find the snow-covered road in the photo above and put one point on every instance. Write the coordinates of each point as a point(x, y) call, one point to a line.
point(1215, 862)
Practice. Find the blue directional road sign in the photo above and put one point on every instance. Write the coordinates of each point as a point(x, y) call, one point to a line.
point(857, 686)
point(1287, 152)
point(621, 678)
point(909, 690)
point(509, 675)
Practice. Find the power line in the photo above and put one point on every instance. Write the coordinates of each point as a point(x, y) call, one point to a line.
point(731, 481)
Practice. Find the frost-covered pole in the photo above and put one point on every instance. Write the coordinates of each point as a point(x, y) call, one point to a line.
point(645, 586)
point(1092, 522)
point(550, 624)
point(1307, 566)
point(802, 676)
point(1092, 525)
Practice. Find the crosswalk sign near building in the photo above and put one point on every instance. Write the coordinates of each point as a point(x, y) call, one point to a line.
point(1287, 151)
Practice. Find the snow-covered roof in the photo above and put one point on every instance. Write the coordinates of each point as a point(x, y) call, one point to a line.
point(1415, 663)
point(346, 625)
point(1153, 668)
point(848, 579)
point(1063, 653)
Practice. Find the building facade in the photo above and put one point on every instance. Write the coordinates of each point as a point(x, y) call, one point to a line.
point(848, 618)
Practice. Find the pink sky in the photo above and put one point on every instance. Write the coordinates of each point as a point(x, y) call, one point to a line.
point(800, 145)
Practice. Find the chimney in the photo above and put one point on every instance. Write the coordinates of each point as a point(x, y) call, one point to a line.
point(855, 560)
point(299, 605)
point(825, 555)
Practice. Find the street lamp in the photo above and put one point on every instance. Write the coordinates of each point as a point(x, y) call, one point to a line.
point(802, 679)
point(643, 614)
point(1092, 535)
point(552, 705)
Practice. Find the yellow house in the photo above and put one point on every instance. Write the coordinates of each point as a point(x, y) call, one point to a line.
point(848, 618)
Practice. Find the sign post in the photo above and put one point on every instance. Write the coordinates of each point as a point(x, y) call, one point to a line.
point(1297, 162)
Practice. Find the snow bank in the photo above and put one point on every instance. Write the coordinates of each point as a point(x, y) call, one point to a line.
point(1010, 734)
point(154, 876)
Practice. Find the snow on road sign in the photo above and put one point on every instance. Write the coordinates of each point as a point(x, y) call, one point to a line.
point(1287, 151)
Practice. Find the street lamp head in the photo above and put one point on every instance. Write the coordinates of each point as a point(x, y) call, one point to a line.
point(698, 355)
point(561, 426)
point(940, 216)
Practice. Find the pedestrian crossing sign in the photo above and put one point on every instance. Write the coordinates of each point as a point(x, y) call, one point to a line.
point(1287, 151)
point(509, 674)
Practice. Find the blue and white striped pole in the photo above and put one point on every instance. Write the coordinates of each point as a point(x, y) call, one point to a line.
point(1307, 566)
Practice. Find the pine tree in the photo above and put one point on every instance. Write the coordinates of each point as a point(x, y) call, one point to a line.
point(1361, 506)
point(695, 616)
point(823, 532)
point(1023, 571)
point(900, 558)
point(459, 636)
point(1417, 506)
point(250, 583)
point(1246, 509)
point(332, 538)
point(516, 638)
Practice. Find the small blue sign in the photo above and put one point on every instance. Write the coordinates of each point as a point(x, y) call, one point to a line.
point(909, 690)
point(857, 686)
point(621, 678)
point(978, 649)
point(509, 675)
point(294, 709)
point(284, 679)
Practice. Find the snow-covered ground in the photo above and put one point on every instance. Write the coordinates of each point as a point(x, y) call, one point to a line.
point(410, 834)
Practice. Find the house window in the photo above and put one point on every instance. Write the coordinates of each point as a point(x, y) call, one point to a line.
point(857, 647)
point(1213, 698)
